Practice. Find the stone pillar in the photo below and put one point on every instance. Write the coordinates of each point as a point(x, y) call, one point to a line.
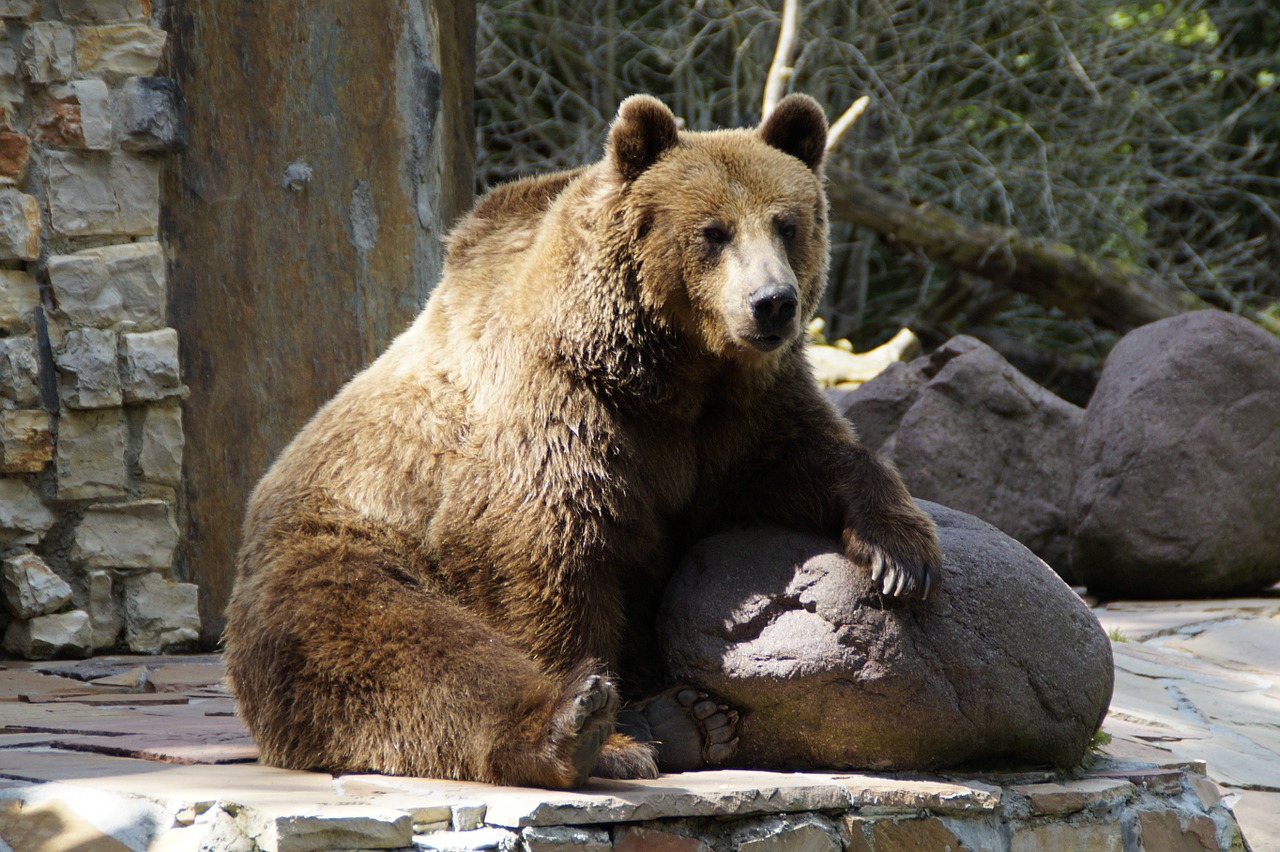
point(87, 361)
point(330, 146)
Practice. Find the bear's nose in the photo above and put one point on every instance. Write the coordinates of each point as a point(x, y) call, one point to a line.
point(773, 306)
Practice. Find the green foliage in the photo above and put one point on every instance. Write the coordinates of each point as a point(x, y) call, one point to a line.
point(1174, 25)
point(1147, 132)
point(1101, 739)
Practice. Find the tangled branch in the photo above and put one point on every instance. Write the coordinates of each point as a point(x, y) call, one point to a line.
point(1147, 134)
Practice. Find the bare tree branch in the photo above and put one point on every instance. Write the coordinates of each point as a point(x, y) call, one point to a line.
point(1114, 295)
point(845, 121)
point(1137, 141)
point(780, 69)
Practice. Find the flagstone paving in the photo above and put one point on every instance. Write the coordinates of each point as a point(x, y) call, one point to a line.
point(146, 752)
point(1200, 681)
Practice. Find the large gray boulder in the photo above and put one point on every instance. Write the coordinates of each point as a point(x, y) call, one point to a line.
point(1004, 665)
point(967, 430)
point(1177, 489)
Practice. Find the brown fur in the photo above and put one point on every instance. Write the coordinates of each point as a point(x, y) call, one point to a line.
point(438, 565)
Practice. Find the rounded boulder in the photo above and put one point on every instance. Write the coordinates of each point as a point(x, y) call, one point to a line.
point(1003, 666)
point(1177, 487)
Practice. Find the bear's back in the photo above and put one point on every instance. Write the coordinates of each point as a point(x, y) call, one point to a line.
point(505, 218)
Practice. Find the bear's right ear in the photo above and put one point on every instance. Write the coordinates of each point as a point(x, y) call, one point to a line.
point(643, 130)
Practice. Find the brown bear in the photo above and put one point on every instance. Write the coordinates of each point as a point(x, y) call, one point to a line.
point(455, 564)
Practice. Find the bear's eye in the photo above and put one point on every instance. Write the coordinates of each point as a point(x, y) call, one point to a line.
point(716, 234)
point(787, 228)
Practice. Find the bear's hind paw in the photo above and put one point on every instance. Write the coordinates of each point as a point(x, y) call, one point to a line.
point(689, 729)
point(623, 757)
point(585, 721)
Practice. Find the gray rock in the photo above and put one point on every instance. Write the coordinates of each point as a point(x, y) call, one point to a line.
point(149, 365)
point(140, 535)
point(984, 439)
point(49, 52)
point(104, 11)
point(90, 375)
point(90, 457)
point(723, 794)
point(877, 407)
point(332, 827)
point(93, 195)
point(800, 833)
point(967, 430)
point(65, 634)
point(160, 455)
point(1005, 664)
point(23, 517)
point(17, 8)
point(487, 839)
point(1177, 489)
point(20, 371)
point(19, 225)
point(19, 296)
point(160, 614)
point(466, 817)
point(656, 836)
point(30, 587)
point(105, 617)
point(12, 90)
point(150, 115)
point(227, 832)
point(95, 113)
point(561, 838)
point(113, 286)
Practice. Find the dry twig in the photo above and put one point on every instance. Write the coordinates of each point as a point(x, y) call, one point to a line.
point(846, 120)
point(780, 70)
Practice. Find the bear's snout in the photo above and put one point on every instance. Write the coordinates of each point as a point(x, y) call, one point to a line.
point(773, 307)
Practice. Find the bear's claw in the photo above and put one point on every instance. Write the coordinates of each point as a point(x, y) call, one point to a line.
point(899, 578)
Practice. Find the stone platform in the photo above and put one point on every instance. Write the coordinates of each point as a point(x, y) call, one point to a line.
point(131, 753)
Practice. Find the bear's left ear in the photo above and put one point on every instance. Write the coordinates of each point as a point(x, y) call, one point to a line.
point(797, 126)
point(643, 130)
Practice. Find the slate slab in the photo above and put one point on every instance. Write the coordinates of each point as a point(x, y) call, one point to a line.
point(724, 793)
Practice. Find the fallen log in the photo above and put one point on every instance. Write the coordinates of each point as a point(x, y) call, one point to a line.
point(1113, 294)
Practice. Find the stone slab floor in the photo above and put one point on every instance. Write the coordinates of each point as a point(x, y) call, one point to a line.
point(1200, 680)
point(145, 752)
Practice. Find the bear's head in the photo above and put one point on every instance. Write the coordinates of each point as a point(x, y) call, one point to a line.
point(728, 228)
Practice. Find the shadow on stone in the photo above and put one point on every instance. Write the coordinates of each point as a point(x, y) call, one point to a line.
point(1005, 666)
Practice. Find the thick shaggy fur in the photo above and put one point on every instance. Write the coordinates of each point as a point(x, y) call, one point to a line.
point(444, 571)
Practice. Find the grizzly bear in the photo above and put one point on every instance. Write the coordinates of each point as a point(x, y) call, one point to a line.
point(454, 569)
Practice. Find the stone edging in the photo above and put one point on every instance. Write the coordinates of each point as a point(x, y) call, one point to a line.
point(1114, 807)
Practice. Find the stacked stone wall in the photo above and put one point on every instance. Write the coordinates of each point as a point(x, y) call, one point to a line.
point(91, 435)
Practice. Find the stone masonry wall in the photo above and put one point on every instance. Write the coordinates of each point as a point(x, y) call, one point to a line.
point(91, 435)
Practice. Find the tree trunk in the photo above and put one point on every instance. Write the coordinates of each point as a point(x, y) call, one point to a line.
point(331, 147)
point(1112, 294)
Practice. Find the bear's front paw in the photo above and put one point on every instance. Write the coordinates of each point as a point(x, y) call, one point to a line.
point(904, 561)
point(900, 577)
